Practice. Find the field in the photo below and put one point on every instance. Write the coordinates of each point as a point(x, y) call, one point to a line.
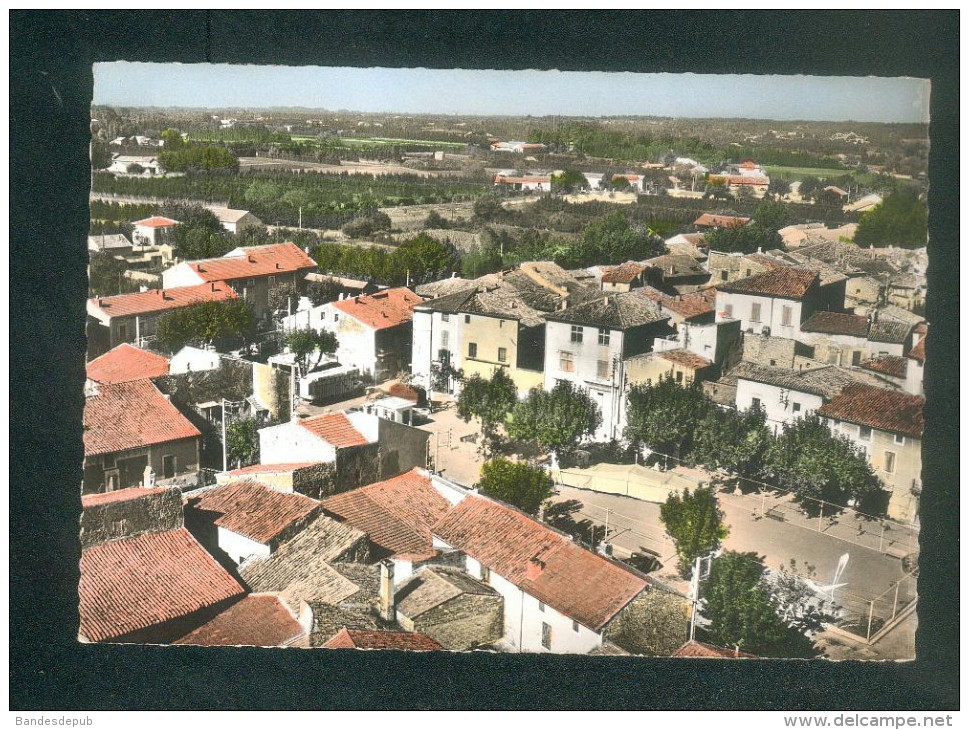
point(798, 173)
point(347, 167)
point(377, 141)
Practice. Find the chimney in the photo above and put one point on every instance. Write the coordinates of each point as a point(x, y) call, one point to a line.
point(278, 265)
point(534, 569)
point(213, 287)
point(388, 609)
point(252, 259)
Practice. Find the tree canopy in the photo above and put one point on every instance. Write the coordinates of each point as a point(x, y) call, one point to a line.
point(305, 342)
point(488, 400)
point(901, 219)
point(242, 442)
point(516, 483)
point(695, 522)
point(204, 322)
point(761, 233)
point(557, 419)
point(568, 181)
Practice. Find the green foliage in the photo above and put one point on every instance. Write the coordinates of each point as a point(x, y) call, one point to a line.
point(737, 442)
point(203, 323)
point(199, 234)
point(761, 233)
point(488, 400)
point(420, 259)
point(695, 522)
point(198, 159)
point(107, 276)
point(901, 219)
point(242, 442)
point(664, 416)
point(100, 155)
point(303, 343)
point(172, 139)
point(368, 224)
point(557, 420)
point(809, 460)
point(568, 181)
point(516, 483)
point(322, 292)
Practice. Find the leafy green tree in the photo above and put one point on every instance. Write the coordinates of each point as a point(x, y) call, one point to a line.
point(516, 483)
point(738, 605)
point(664, 415)
point(172, 139)
point(199, 234)
point(761, 233)
point(107, 276)
point(242, 442)
point(203, 323)
point(738, 442)
point(100, 155)
point(322, 292)
point(779, 186)
point(557, 419)
point(901, 219)
point(815, 464)
point(488, 400)
point(568, 181)
point(618, 182)
point(283, 298)
point(305, 342)
point(695, 522)
point(810, 186)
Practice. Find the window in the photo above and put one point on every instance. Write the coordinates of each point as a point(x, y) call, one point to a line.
point(445, 336)
point(336, 316)
point(864, 433)
point(168, 466)
point(755, 403)
point(576, 333)
point(566, 365)
point(796, 407)
point(251, 282)
point(541, 607)
point(502, 354)
point(445, 317)
point(122, 332)
point(472, 349)
point(748, 272)
point(467, 319)
point(546, 635)
point(724, 275)
point(679, 377)
point(786, 316)
point(603, 336)
point(855, 357)
point(890, 462)
point(485, 574)
point(773, 363)
point(602, 369)
point(272, 281)
point(755, 312)
point(575, 626)
point(900, 440)
point(444, 356)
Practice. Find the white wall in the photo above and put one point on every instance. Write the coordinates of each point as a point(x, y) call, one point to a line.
point(771, 313)
point(366, 423)
point(428, 339)
point(914, 374)
point(238, 547)
point(180, 275)
point(772, 402)
point(290, 442)
point(193, 359)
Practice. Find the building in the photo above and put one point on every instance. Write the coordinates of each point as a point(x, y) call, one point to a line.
point(144, 578)
point(624, 277)
point(589, 345)
point(251, 271)
point(153, 231)
point(116, 244)
point(259, 619)
point(693, 308)
point(741, 184)
point(304, 477)
point(451, 607)
point(635, 182)
point(245, 518)
point(135, 165)
point(125, 363)
point(234, 221)
point(676, 273)
point(716, 220)
point(374, 331)
point(194, 360)
point(847, 339)
point(133, 318)
point(518, 146)
point(525, 183)
point(915, 368)
point(133, 436)
point(887, 425)
point(391, 408)
point(682, 366)
point(774, 302)
point(395, 640)
point(700, 650)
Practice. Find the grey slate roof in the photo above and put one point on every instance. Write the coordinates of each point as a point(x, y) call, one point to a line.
point(434, 585)
point(108, 242)
point(890, 332)
point(614, 311)
point(826, 381)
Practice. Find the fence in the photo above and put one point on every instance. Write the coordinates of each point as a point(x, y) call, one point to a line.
point(630, 534)
point(870, 619)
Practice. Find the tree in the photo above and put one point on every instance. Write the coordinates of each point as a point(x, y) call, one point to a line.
point(488, 400)
point(107, 276)
point(809, 187)
point(173, 139)
point(569, 180)
point(303, 343)
point(203, 323)
point(901, 219)
point(738, 605)
point(516, 483)
point(761, 233)
point(322, 292)
point(199, 235)
point(283, 297)
point(242, 442)
point(779, 186)
point(556, 419)
point(664, 415)
point(738, 442)
point(695, 522)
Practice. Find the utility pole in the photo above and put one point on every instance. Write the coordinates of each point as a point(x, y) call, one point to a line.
point(225, 454)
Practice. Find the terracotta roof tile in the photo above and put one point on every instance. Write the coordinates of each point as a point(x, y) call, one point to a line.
point(381, 310)
point(251, 509)
point(118, 495)
point(688, 306)
point(125, 363)
point(699, 650)
point(400, 640)
point(624, 273)
point(256, 620)
point(886, 365)
point(918, 352)
point(131, 415)
point(780, 282)
point(890, 331)
point(399, 390)
point(575, 582)
point(277, 258)
point(132, 584)
point(837, 323)
point(272, 468)
point(158, 300)
point(886, 410)
point(721, 221)
point(336, 429)
point(156, 221)
point(685, 358)
point(397, 514)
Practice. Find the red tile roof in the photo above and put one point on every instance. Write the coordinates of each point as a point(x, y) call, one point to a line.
point(156, 221)
point(384, 309)
point(783, 282)
point(624, 273)
point(688, 306)
point(251, 509)
point(699, 650)
point(886, 365)
point(277, 258)
point(158, 300)
point(129, 416)
point(118, 495)
point(837, 323)
point(131, 584)
point(273, 468)
point(742, 179)
point(399, 390)
point(721, 221)
point(364, 639)
point(502, 180)
point(125, 363)
point(918, 352)
point(257, 620)
point(575, 582)
point(397, 514)
point(336, 429)
point(685, 358)
point(886, 410)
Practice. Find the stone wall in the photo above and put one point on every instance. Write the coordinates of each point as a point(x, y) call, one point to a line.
point(151, 512)
point(655, 623)
point(772, 351)
point(465, 622)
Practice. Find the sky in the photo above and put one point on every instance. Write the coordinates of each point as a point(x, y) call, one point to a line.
point(514, 93)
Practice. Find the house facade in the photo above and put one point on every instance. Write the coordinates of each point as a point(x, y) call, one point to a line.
point(152, 231)
point(774, 302)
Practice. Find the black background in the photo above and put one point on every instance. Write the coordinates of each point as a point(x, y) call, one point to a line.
point(50, 96)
